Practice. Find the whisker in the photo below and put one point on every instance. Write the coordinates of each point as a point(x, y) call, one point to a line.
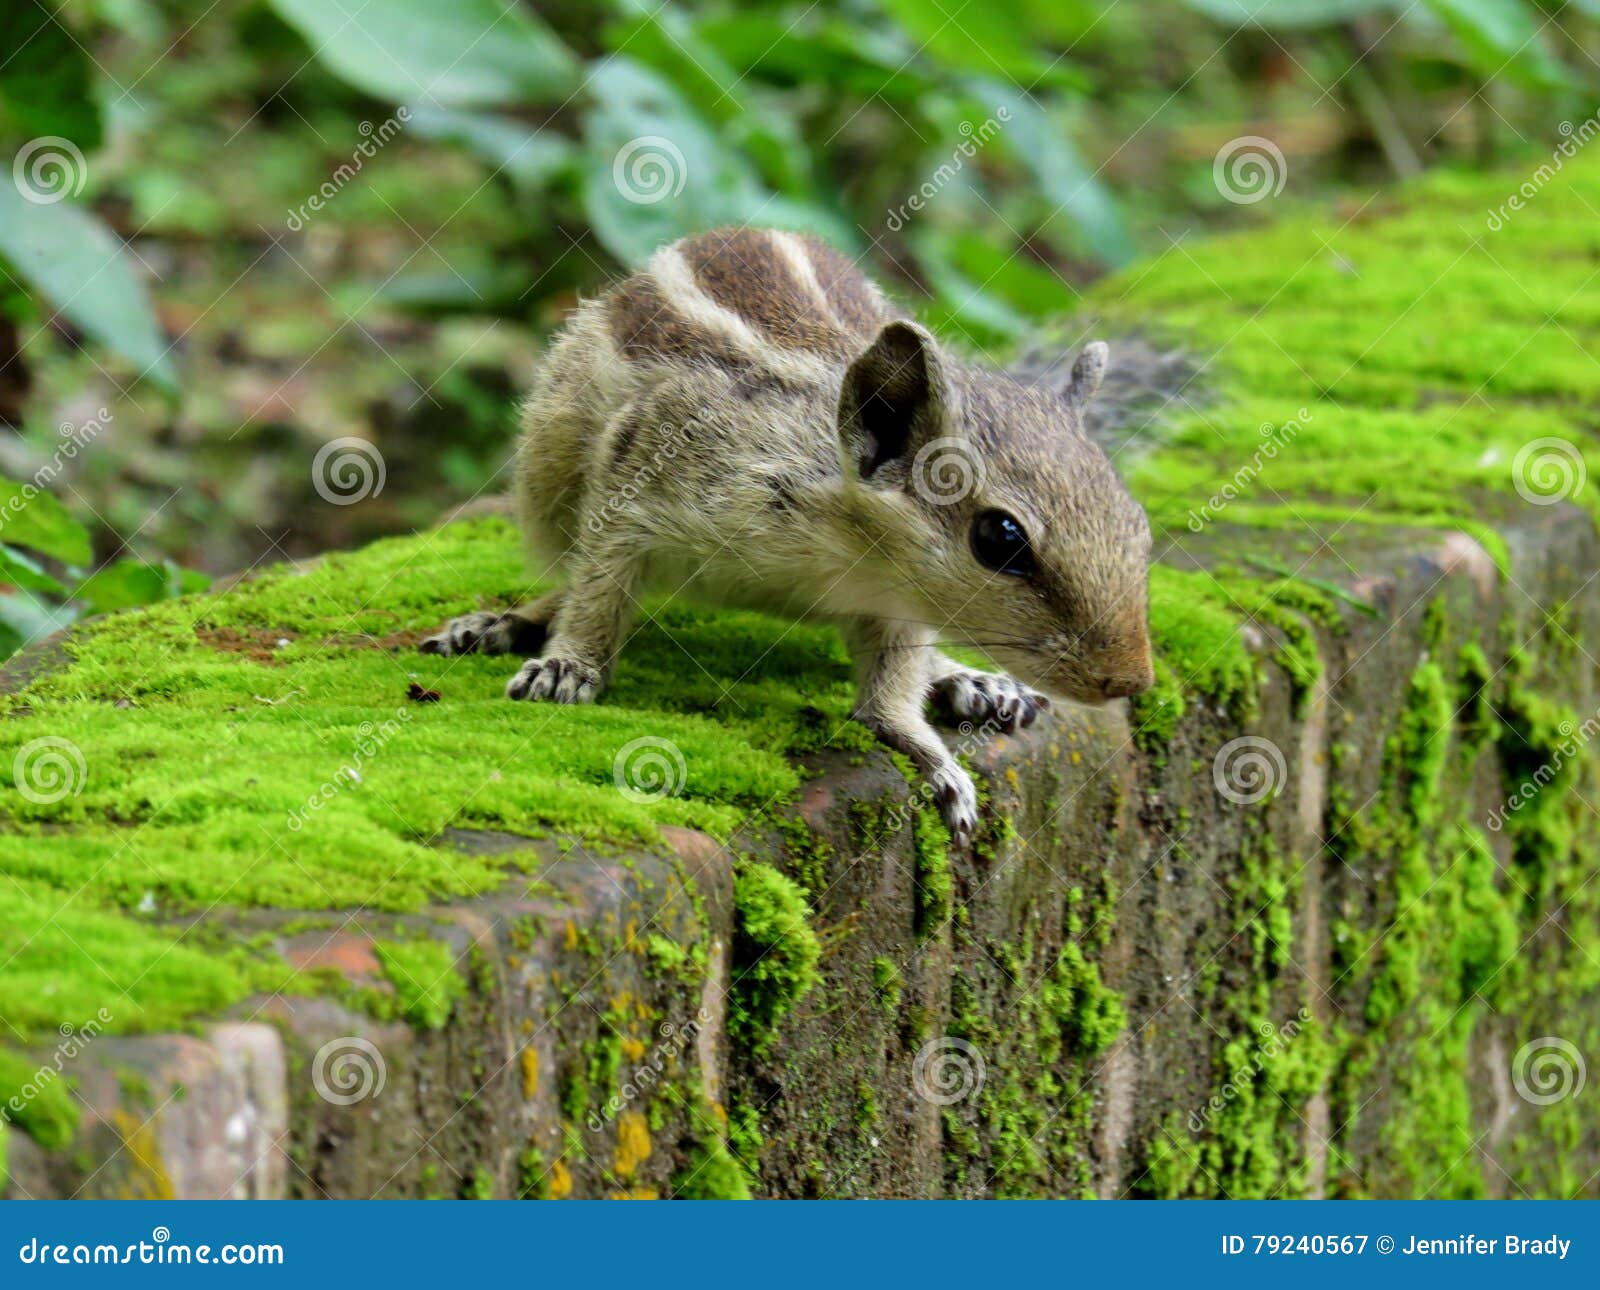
point(1013, 644)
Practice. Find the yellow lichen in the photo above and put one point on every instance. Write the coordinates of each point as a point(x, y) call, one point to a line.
point(633, 1144)
point(147, 1178)
point(530, 1072)
point(560, 1181)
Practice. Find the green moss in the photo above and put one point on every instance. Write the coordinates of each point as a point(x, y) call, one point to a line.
point(666, 954)
point(1458, 941)
point(1040, 1030)
point(533, 1181)
point(220, 768)
point(253, 749)
point(1191, 623)
point(1474, 712)
point(426, 978)
point(1419, 748)
point(1245, 1137)
point(38, 1099)
point(775, 953)
point(887, 984)
point(809, 854)
point(934, 885)
point(1338, 405)
point(713, 1174)
point(1155, 714)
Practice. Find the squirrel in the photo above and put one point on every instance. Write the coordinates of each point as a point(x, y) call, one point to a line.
point(748, 419)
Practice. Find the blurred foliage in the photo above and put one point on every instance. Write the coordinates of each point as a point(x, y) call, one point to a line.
point(300, 220)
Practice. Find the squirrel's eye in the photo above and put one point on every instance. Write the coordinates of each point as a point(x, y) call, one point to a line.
point(1000, 543)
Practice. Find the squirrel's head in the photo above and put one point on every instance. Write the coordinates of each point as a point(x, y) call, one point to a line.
point(981, 501)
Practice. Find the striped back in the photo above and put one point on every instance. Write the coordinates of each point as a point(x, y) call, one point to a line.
point(748, 298)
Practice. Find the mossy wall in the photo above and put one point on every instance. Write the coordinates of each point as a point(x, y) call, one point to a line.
point(751, 963)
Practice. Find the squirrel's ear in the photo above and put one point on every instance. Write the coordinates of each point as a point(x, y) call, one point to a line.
point(1088, 372)
point(890, 399)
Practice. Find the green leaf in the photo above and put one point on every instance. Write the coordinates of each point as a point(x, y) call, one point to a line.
point(66, 255)
point(530, 158)
point(1288, 13)
point(454, 53)
point(1502, 38)
point(962, 304)
point(986, 40)
point(10, 639)
point(128, 583)
point(1079, 202)
point(661, 37)
point(856, 62)
point(655, 171)
point(46, 77)
point(31, 517)
point(26, 617)
point(16, 570)
point(1008, 274)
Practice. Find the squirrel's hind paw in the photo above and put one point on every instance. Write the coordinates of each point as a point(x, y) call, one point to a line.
point(486, 632)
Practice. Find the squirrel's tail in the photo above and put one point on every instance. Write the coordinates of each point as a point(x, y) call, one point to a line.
point(1146, 386)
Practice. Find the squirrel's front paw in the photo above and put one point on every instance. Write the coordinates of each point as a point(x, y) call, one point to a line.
point(990, 696)
point(560, 680)
point(957, 801)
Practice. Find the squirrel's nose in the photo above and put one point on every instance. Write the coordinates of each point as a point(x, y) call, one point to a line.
point(1123, 685)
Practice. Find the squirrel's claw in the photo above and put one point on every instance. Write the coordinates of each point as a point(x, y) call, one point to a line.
point(957, 800)
point(478, 633)
point(558, 680)
point(980, 697)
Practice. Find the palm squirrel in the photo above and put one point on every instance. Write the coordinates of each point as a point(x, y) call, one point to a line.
point(749, 420)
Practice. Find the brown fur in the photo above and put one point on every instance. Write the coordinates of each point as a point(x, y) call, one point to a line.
point(748, 420)
point(739, 270)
